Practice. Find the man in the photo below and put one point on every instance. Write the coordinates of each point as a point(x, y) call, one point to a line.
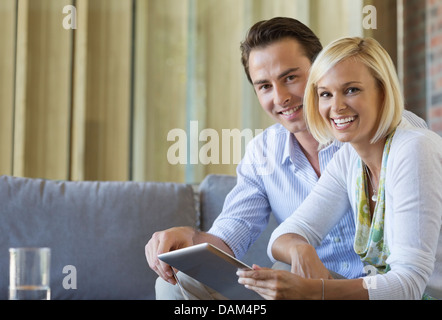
point(276, 55)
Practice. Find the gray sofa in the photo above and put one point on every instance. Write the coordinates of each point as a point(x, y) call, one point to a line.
point(97, 230)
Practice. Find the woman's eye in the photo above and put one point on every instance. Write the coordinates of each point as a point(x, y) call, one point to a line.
point(352, 90)
point(324, 94)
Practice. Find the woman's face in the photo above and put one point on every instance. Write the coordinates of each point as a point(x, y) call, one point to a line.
point(350, 100)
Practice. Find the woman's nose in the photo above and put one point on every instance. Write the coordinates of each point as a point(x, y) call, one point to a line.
point(337, 104)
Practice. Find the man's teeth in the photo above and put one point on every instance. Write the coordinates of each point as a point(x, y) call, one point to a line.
point(343, 121)
point(289, 112)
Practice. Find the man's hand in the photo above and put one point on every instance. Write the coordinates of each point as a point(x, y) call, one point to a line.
point(173, 239)
point(165, 241)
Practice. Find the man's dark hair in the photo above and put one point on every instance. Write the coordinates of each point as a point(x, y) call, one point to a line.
point(266, 32)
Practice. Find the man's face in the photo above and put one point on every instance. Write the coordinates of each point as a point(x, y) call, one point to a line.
point(279, 74)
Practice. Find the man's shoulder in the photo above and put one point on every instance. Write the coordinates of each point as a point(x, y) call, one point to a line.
point(276, 130)
point(413, 119)
point(271, 142)
point(410, 137)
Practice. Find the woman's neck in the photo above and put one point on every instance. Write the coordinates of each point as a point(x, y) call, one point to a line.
point(371, 155)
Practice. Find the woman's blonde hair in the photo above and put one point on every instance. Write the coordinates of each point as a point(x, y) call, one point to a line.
point(375, 57)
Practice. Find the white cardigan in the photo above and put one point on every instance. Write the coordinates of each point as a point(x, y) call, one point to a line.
point(413, 212)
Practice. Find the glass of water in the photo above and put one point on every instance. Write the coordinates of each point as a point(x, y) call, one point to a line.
point(29, 270)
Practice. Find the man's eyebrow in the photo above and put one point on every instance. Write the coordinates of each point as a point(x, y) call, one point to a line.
point(258, 82)
point(282, 75)
point(288, 71)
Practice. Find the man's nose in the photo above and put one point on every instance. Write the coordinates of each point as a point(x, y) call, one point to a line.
point(281, 96)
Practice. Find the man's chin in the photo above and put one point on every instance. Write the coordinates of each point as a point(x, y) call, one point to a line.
point(295, 127)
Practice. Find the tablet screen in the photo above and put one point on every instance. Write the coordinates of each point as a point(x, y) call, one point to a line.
point(213, 267)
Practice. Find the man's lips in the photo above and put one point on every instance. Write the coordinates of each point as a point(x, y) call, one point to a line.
point(289, 112)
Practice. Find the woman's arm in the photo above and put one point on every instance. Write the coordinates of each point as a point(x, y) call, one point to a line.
point(323, 208)
point(294, 250)
point(283, 285)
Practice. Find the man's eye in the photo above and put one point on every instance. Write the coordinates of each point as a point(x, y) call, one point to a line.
point(291, 77)
point(264, 87)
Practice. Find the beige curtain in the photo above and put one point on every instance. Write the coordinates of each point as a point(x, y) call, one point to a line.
point(136, 89)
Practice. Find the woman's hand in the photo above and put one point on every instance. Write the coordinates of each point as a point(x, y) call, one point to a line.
point(294, 250)
point(305, 262)
point(279, 285)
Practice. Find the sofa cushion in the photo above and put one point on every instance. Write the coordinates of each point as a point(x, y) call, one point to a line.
point(213, 191)
point(99, 228)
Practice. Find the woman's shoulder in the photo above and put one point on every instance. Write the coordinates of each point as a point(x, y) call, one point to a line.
point(346, 157)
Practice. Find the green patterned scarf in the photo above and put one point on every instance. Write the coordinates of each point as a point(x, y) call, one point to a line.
point(369, 242)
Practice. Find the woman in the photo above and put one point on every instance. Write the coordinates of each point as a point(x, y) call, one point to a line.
point(389, 173)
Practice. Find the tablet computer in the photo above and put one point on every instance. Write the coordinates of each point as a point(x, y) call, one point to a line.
point(213, 267)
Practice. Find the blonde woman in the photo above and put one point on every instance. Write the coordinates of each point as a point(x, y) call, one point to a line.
point(388, 172)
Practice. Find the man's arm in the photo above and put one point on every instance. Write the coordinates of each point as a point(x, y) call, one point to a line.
point(244, 215)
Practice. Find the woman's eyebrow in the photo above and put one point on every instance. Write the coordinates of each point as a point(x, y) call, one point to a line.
point(343, 85)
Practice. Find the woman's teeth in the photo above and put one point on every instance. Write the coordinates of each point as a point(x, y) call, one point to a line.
point(343, 121)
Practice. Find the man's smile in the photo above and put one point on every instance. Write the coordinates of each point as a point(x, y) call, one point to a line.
point(288, 113)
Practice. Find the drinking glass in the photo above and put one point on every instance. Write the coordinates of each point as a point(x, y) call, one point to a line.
point(29, 270)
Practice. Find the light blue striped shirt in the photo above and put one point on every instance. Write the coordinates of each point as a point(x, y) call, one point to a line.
point(275, 177)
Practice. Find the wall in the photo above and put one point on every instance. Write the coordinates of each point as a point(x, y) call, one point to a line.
point(414, 56)
point(434, 64)
point(423, 60)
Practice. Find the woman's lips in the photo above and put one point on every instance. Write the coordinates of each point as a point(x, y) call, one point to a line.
point(343, 122)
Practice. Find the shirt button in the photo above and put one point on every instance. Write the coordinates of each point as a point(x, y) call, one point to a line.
point(345, 265)
point(337, 239)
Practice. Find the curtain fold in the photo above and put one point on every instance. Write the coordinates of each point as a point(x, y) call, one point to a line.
point(136, 89)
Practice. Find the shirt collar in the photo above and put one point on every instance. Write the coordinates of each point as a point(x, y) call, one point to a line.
point(291, 147)
point(288, 147)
